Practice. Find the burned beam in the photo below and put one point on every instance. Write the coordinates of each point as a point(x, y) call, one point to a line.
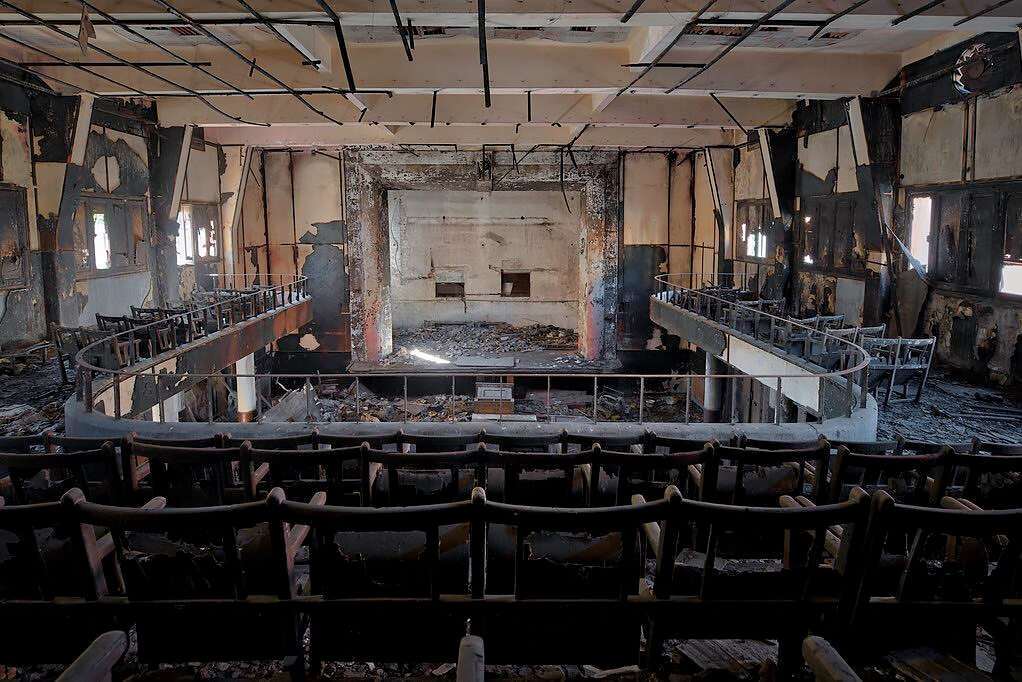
point(482, 51)
point(848, 10)
point(113, 20)
point(735, 43)
point(401, 29)
point(250, 62)
point(341, 45)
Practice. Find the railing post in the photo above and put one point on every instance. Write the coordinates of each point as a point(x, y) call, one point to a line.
point(642, 396)
point(117, 396)
point(159, 397)
point(548, 396)
point(308, 401)
point(595, 393)
point(87, 388)
point(734, 397)
point(209, 400)
point(358, 411)
point(688, 397)
point(777, 402)
point(864, 386)
point(405, 378)
point(452, 398)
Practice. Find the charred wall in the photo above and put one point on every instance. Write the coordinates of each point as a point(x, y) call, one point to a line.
point(960, 141)
point(85, 189)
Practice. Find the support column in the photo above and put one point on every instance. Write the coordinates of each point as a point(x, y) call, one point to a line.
point(171, 409)
point(246, 388)
point(713, 390)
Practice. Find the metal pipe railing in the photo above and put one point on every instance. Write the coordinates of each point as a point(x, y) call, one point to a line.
point(714, 296)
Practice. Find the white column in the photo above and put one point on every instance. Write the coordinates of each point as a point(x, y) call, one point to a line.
point(246, 388)
point(171, 409)
point(713, 390)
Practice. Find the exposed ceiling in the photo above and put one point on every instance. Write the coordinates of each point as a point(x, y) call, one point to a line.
point(558, 72)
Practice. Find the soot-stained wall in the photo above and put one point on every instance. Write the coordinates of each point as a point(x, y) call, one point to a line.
point(61, 155)
point(961, 149)
point(471, 239)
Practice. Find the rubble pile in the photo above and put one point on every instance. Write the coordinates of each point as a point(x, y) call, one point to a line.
point(953, 410)
point(338, 404)
point(33, 400)
point(449, 340)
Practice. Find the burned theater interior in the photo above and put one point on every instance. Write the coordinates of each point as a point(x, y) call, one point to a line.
point(536, 340)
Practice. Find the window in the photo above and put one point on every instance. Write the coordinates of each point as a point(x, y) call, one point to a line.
point(1011, 267)
point(922, 223)
point(111, 235)
point(13, 230)
point(198, 233)
point(450, 290)
point(752, 220)
point(515, 284)
point(808, 240)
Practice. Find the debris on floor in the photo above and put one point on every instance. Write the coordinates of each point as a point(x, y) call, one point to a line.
point(33, 400)
point(486, 339)
point(954, 410)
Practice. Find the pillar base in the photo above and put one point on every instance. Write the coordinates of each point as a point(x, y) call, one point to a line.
point(246, 417)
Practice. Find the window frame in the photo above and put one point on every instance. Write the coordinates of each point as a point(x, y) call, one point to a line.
point(20, 204)
point(88, 269)
point(213, 210)
point(964, 194)
point(740, 243)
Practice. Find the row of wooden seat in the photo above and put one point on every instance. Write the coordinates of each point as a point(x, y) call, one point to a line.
point(255, 604)
point(645, 441)
point(351, 474)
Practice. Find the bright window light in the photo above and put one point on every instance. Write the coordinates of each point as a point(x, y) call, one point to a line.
point(1011, 278)
point(922, 219)
point(185, 250)
point(100, 241)
point(432, 358)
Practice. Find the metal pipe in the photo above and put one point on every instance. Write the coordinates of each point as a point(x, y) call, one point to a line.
point(61, 32)
point(432, 111)
point(305, 59)
point(401, 29)
point(341, 45)
point(33, 86)
point(250, 62)
point(735, 43)
point(631, 11)
point(670, 46)
point(86, 69)
point(80, 63)
point(848, 10)
point(917, 11)
point(729, 114)
point(117, 22)
point(976, 15)
point(482, 51)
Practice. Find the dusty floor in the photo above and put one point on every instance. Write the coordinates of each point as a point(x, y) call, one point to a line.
point(954, 409)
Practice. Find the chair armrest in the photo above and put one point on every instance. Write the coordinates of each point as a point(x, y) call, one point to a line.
point(96, 662)
point(650, 529)
point(825, 662)
point(155, 503)
point(695, 472)
point(964, 504)
point(297, 534)
point(260, 473)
